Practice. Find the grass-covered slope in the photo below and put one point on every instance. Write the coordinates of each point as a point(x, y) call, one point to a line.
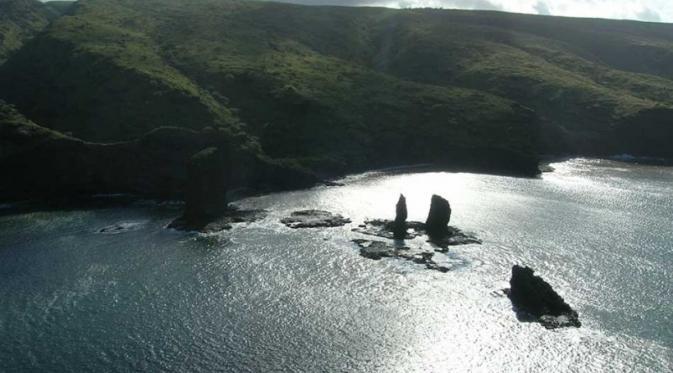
point(18, 134)
point(20, 20)
point(60, 7)
point(581, 76)
point(337, 88)
point(112, 70)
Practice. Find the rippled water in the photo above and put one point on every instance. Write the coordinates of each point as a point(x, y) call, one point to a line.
point(263, 297)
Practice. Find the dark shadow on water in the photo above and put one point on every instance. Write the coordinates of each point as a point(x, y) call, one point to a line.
point(72, 204)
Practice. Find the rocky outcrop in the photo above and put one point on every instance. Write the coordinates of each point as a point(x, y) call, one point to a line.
point(206, 189)
point(646, 133)
point(225, 221)
point(206, 205)
point(400, 223)
point(314, 219)
point(534, 298)
point(437, 223)
point(385, 229)
point(439, 232)
point(378, 250)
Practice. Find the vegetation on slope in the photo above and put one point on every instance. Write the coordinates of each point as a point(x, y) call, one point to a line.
point(113, 70)
point(21, 20)
point(42, 163)
point(581, 76)
point(18, 134)
point(338, 89)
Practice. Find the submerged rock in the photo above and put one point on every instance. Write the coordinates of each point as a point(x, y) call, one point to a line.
point(377, 250)
point(122, 227)
point(400, 223)
point(439, 216)
point(534, 297)
point(314, 219)
point(224, 221)
point(452, 237)
point(386, 229)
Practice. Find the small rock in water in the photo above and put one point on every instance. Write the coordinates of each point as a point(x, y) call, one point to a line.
point(531, 295)
point(120, 228)
point(439, 216)
point(314, 219)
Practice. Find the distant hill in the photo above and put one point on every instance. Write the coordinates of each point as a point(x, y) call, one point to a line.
point(338, 88)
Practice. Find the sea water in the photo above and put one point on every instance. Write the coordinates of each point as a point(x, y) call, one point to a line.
point(263, 297)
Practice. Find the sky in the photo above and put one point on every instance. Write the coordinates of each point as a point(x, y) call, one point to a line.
point(642, 10)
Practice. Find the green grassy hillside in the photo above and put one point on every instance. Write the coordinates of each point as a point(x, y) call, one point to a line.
point(20, 20)
point(338, 88)
point(581, 76)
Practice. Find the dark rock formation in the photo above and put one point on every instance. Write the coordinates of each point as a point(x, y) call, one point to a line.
point(206, 205)
point(224, 221)
point(400, 223)
point(377, 250)
point(646, 133)
point(386, 229)
point(452, 237)
point(206, 189)
point(439, 216)
point(314, 219)
point(533, 296)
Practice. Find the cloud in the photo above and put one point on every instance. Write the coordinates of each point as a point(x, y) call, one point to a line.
point(542, 8)
point(468, 4)
point(649, 15)
point(459, 4)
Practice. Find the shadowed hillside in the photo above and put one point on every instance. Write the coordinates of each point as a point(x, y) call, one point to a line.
point(20, 20)
point(42, 163)
point(338, 89)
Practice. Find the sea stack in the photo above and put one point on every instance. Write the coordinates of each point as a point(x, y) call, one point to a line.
point(437, 223)
point(532, 295)
point(205, 190)
point(400, 224)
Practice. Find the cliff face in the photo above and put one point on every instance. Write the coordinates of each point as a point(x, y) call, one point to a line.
point(647, 133)
point(38, 162)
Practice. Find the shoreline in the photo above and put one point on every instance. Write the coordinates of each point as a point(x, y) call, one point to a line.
point(106, 200)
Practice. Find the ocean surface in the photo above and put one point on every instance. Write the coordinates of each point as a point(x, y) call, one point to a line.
point(263, 297)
